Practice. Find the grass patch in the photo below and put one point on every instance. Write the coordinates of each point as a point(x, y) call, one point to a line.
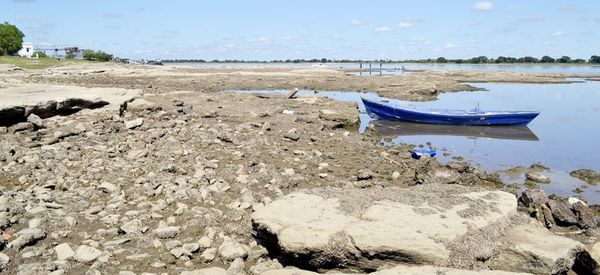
point(30, 63)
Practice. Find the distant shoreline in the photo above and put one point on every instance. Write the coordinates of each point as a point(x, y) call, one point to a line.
point(393, 62)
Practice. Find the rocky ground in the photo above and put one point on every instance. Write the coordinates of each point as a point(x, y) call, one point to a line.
point(186, 179)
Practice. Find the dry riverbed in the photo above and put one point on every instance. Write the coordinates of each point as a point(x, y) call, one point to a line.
point(170, 175)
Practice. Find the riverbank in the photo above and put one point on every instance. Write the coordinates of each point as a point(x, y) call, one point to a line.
point(184, 177)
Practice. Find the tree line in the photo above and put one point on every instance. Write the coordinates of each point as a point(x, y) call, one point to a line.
point(594, 59)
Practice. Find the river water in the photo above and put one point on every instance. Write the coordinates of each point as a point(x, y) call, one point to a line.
point(564, 137)
point(395, 68)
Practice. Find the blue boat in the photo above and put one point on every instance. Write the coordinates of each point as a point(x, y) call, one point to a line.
point(386, 111)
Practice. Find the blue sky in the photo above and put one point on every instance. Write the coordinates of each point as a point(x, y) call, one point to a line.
point(269, 29)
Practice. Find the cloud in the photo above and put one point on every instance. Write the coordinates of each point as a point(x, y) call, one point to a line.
point(383, 29)
point(450, 46)
point(483, 6)
point(112, 15)
point(24, 1)
point(557, 34)
point(357, 22)
point(167, 34)
point(408, 22)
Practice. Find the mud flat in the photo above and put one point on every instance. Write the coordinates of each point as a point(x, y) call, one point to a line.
point(186, 179)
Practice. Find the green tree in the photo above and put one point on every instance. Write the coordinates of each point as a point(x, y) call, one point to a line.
point(595, 59)
point(11, 39)
point(96, 55)
point(547, 59)
point(527, 59)
point(564, 59)
point(441, 60)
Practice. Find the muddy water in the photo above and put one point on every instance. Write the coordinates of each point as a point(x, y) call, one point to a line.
point(564, 137)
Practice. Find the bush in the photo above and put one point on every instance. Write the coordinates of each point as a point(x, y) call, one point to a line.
point(40, 54)
point(595, 59)
point(96, 55)
point(547, 59)
point(11, 39)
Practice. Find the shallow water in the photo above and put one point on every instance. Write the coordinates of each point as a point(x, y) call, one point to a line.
point(394, 68)
point(564, 137)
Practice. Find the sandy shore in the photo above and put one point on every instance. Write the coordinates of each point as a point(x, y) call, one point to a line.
point(178, 179)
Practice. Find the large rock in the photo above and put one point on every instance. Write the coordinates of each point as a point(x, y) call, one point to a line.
point(19, 101)
point(87, 254)
point(588, 175)
point(363, 229)
point(206, 271)
point(532, 248)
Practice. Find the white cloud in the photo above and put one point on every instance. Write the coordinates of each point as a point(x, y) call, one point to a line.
point(483, 6)
point(408, 22)
point(357, 22)
point(383, 29)
point(557, 34)
point(450, 46)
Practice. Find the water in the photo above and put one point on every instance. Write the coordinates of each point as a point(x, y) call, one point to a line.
point(393, 68)
point(564, 137)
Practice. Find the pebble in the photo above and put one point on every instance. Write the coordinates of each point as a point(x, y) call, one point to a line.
point(537, 177)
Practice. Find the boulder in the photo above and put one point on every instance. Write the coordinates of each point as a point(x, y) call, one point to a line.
point(585, 217)
point(36, 121)
point(63, 251)
point(231, 250)
point(336, 227)
point(537, 177)
point(532, 248)
point(562, 213)
point(588, 175)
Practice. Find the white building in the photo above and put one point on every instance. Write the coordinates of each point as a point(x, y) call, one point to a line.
point(27, 50)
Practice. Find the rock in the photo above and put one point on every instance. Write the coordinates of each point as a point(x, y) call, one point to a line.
point(533, 198)
point(263, 266)
point(401, 269)
point(236, 267)
point(409, 222)
point(86, 254)
point(133, 227)
point(206, 271)
point(36, 121)
point(3, 130)
point(132, 124)
point(191, 247)
point(209, 254)
point(334, 119)
point(108, 187)
point(204, 242)
point(588, 175)
point(440, 175)
point(230, 250)
point(364, 174)
point(531, 248)
point(561, 211)
point(23, 126)
point(585, 217)
point(27, 237)
point(292, 134)
point(460, 167)
point(537, 177)
point(4, 259)
point(179, 252)
point(166, 232)
point(63, 252)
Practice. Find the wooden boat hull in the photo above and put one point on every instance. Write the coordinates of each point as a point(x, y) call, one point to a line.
point(380, 110)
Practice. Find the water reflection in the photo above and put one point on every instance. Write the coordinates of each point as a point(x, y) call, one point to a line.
point(394, 129)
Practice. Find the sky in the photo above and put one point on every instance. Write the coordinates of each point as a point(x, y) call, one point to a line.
point(334, 29)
